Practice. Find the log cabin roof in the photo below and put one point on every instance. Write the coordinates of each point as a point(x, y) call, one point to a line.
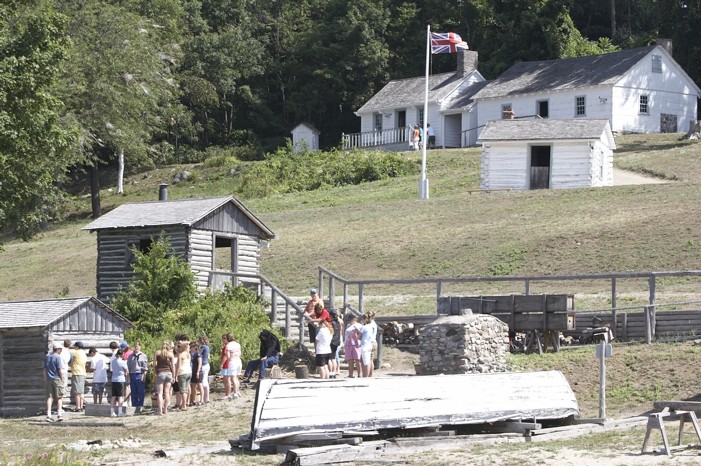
point(545, 129)
point(42, 313)
point(185, 212)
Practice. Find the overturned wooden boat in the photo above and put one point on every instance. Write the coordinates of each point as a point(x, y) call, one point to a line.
point(285, 409)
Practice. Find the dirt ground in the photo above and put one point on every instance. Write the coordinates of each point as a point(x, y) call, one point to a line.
point(200, 435)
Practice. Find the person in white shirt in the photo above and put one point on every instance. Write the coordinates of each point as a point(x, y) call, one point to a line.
point(98, 366)
point(323, 348)
point(431, 136)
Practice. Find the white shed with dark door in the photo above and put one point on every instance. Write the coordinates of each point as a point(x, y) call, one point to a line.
point(218, 234)
point(544, 153)
point(26, 330)
point(305, 136)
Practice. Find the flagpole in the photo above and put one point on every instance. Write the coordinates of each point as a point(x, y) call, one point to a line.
point(423, 184)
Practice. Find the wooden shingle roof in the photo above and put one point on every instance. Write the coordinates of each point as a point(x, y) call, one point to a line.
point(410, 91)
point(165, 213)
point(42, 313)
point(568, 73)
point(545, 129)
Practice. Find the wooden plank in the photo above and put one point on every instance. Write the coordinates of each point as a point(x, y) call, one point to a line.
point(404, 402)
point(678, 405)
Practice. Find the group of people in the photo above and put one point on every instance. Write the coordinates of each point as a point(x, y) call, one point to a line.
point(181, 368)
point(327, 330)
point(417, 137)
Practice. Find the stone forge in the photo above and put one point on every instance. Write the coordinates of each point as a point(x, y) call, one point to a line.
point(464, 344)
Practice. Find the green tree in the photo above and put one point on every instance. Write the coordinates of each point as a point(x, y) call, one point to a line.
point(118, 83)
point(35, 146)
point(162, 282)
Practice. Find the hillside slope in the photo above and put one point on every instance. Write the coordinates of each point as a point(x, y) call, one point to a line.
point(382, 230)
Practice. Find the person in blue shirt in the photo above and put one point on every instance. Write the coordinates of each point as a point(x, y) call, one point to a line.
point(53, 377)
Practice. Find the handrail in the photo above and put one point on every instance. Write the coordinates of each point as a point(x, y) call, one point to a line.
point(275, 292)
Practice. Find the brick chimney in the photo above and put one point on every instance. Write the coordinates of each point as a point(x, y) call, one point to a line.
point(467, 62)
point(665, 44)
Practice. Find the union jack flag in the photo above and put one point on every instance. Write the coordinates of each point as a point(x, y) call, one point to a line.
point(446, 42)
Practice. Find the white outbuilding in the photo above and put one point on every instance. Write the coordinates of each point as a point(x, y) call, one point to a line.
point(544, 153)
point(305, 136)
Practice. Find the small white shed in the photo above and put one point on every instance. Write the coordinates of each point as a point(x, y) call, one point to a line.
point(544, 153)
point(305, 136)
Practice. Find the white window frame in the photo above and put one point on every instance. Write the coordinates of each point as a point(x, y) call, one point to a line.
point(420, 116)
point(580, 106)
point(377, 121)
point(644, 104)
point(657, 63)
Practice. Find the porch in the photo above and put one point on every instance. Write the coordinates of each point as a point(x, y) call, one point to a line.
point(392, 139)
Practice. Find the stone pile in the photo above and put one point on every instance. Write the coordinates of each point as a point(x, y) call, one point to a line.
point(464, 344)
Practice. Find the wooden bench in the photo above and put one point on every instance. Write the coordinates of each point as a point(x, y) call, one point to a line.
point(684, 411)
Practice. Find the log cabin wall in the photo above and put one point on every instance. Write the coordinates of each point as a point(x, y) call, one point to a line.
point(114, 258)
point(22, 353)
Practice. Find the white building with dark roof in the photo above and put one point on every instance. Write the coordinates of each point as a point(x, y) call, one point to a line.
point(543, 153)
point(386, 118)
point(641, 90)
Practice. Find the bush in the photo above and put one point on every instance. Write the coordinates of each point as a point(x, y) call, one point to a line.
point(162, 302)
point(285, 171)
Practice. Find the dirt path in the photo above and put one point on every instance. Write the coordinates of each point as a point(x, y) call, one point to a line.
point(625, 177)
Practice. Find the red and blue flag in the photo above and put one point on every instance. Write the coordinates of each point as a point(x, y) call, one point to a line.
point(447, 42)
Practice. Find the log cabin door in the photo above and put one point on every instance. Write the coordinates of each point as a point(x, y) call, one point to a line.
point(539, 167)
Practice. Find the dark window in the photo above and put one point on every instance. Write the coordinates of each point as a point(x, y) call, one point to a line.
point(542, 110)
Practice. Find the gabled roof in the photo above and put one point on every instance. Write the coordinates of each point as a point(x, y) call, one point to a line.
point(463, 99)
point(306, 125)
point(567, 73)
point(545, 129)
point(410, 91)
point(20, 314)
point(184, 212)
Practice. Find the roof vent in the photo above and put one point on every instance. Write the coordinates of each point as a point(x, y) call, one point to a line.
point(163, 192)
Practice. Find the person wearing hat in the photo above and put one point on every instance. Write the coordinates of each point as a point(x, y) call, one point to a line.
point(309, 313)
point(78, 373)
point(53, 377)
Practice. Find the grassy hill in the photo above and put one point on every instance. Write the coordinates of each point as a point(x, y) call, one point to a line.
point(382, 230)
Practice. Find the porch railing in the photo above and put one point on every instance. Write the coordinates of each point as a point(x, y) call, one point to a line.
point(376, 138)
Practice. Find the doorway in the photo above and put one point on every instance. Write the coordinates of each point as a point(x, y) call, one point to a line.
point(540, 167)
point(401, 123)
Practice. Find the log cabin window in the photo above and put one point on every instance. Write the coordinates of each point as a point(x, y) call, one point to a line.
point(580, 105)
point(644, 104)
point(142, 244)
point(657, 63)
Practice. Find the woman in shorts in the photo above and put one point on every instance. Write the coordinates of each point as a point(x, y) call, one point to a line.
point(232, 352)
point(183, 374)
point(164, 361)
point(323, 348)
point(196, 380)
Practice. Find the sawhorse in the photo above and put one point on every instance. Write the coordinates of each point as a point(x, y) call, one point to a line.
point(656, 421)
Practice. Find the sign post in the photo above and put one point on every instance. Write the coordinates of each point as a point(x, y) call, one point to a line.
point(603, 350)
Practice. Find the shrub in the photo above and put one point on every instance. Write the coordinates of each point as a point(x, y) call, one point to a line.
point(285, 171)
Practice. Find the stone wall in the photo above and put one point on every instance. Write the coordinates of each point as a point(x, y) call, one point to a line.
point(464, 344)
